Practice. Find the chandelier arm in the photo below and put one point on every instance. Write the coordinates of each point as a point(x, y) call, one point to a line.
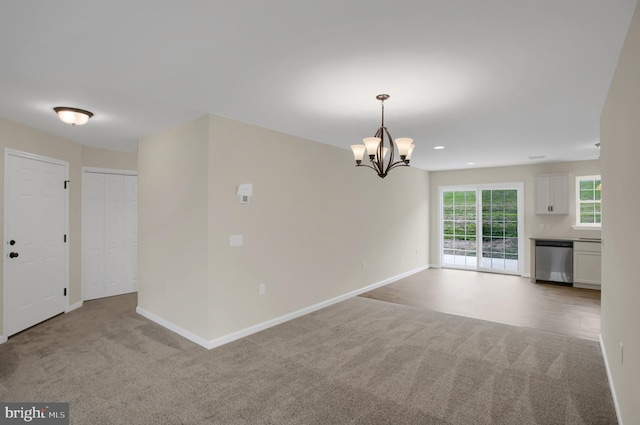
point(368, 166)
point(377, 166)
point(378, 160)
point(397, 164)
point(392, 149)
point(374, 168)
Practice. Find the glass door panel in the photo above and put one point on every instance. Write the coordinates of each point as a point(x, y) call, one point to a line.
point(499, 250)
point(459, 228)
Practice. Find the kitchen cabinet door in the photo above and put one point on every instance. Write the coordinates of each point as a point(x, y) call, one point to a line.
point(552, 194)
point(586, 265)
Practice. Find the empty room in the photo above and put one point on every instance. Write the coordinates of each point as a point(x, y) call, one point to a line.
point(320, 212)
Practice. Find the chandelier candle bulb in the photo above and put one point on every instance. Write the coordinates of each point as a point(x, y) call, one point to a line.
point(358, 152)
point(403, 144)
point(372, 144)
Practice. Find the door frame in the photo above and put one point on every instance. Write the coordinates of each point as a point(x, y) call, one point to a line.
point(519, 186)
point(8, 152)
point(94, 170)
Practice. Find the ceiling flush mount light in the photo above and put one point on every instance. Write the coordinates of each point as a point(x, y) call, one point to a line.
point(73, 116)
point(377, 148)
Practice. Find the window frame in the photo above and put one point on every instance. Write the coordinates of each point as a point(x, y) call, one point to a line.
point(579, 202)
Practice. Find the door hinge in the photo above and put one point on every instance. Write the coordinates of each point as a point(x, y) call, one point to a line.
point(65, 292)
point(65, 183)
point(65, 238)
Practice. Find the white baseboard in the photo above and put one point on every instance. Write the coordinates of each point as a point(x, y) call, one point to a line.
point(295, 314)
point(3, 339)
point(613, 390)
point(172, 327)
point(73, 307)
point(213, 343)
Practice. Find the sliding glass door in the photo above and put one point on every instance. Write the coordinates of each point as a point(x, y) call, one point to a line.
point(481, 227)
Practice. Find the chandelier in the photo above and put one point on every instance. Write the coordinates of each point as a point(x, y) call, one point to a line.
point(377, 150)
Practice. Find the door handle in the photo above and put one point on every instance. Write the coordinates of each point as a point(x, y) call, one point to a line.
point(13, 255)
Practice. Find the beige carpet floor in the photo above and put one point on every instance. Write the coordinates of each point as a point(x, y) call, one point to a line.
point(361, 361)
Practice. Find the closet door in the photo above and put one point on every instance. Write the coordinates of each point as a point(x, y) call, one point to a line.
point(93, 235)
point(110, 235)
point(113, 235)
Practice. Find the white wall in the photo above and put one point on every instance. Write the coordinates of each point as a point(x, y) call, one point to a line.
point(172, 225)
point(620, 138)
point(536, 225)
point(105, 158)
point(313, 219)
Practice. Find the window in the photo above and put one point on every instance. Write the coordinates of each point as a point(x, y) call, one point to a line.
point(588, 201)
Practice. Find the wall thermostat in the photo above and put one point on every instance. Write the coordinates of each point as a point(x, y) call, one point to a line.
point(245, 191)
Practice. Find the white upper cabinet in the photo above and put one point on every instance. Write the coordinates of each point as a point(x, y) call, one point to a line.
point(552, 195)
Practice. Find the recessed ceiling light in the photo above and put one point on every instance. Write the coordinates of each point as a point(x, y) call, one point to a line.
point(471, 163)
point(438, 147)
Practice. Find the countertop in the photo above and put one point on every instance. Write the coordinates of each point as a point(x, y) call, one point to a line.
point(596, 240)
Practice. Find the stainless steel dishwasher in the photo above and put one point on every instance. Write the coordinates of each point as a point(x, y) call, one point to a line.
point(554, 261)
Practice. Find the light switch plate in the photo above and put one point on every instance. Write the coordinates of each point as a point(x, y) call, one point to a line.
point(235, 240)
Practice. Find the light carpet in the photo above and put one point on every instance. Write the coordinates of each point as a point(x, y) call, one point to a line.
point(361, 361)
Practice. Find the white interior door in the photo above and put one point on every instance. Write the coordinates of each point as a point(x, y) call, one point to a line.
point(35, 253)
point(110, 241)
point(93, 235)
point(114, 235)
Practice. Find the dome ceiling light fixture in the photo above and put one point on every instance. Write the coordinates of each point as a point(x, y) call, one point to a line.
point(73, 116)
point(377, 151)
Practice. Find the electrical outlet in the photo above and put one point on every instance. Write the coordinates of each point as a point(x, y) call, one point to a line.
point(262, 288)
point(621, 353)
point(364, 264)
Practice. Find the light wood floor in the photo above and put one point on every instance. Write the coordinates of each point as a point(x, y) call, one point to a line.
point(499, 298)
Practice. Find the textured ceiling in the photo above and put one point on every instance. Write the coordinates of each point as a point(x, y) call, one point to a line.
point(494, 81)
